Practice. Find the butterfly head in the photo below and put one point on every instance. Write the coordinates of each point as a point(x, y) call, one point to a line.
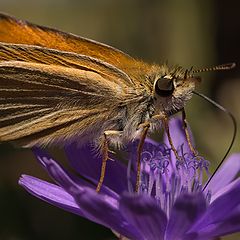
point(173, 87)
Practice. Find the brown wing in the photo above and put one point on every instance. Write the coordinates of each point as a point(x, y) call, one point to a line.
point(42, 103)
point(17, 31)
point(43, 70)
point(36, 54)
point(22, 32)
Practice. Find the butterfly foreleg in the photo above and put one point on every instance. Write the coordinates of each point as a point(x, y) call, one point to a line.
point(105, 154)
point(185, 127)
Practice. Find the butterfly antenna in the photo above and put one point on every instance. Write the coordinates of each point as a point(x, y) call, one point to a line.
point(226, 66)
point(233, 137)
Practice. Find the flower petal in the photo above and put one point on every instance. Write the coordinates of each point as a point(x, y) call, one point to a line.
point(88, 164)
point(184, 213)
point(145, 215)
point(106, 210)
point(225, 174)
point(225, 189)
point(58, 173)
point(213, 231)
point(229, 226)
point(50, 193)
point(223, 208)
point(98, 207)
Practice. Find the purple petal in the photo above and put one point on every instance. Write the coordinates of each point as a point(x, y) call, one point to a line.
point(225, 189)
point(50, 193)
point(229, 226)
point(184, 213)
point(145, 215)
point(63, 177)
point(213, 231)
point(56, 196)
point(88, 164)
point(97, 207)
point(223, 208)
point(226, 174)
point(106, 210)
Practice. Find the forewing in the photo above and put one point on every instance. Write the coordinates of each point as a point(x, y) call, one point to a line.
point(36, 54)
point(45, 72)
point(22, 32)
point(42, 103)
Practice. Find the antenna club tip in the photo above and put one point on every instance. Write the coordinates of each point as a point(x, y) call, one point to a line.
point(232, 65)
point(226, 66)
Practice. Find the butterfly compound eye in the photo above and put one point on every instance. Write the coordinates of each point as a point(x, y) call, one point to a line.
point(164, 87)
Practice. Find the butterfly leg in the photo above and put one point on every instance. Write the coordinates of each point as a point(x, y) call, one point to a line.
point(105, 157)
point(166, 126)
point(145, 126)
point(185, 127)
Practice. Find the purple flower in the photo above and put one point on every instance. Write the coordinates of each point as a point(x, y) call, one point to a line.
point(170, 204)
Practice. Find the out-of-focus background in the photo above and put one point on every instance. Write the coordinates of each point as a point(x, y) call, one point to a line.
point(188, 33)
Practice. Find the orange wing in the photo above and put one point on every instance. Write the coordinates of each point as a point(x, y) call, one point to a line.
point(17, 31)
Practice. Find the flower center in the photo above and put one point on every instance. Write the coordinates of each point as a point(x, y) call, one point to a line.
point(165, 178)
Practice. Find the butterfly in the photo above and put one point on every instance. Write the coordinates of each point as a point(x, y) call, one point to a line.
point(57, 87)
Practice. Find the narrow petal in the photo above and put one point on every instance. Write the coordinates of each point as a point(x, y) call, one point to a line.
point(213, 231)
point(144, 214)
point(62, 176)
point(223, 208)
point(229, 226)
point(50, 193)
point(57, 196)
point(98, 207)
point(88, 164)
point(225, 189)
point(226, 173)
point(106, 209)
point(185, 212)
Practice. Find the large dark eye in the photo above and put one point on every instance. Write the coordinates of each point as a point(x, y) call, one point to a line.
point(164, 87)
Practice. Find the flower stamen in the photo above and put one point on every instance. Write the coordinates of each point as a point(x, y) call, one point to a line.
point(165, 180)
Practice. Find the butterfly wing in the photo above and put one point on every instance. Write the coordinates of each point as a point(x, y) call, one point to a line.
point(17, 31)
point(41, 103)
point(35, 54)
point(54, 83)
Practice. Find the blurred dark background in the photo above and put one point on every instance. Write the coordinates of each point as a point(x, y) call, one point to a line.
point(188, 33)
